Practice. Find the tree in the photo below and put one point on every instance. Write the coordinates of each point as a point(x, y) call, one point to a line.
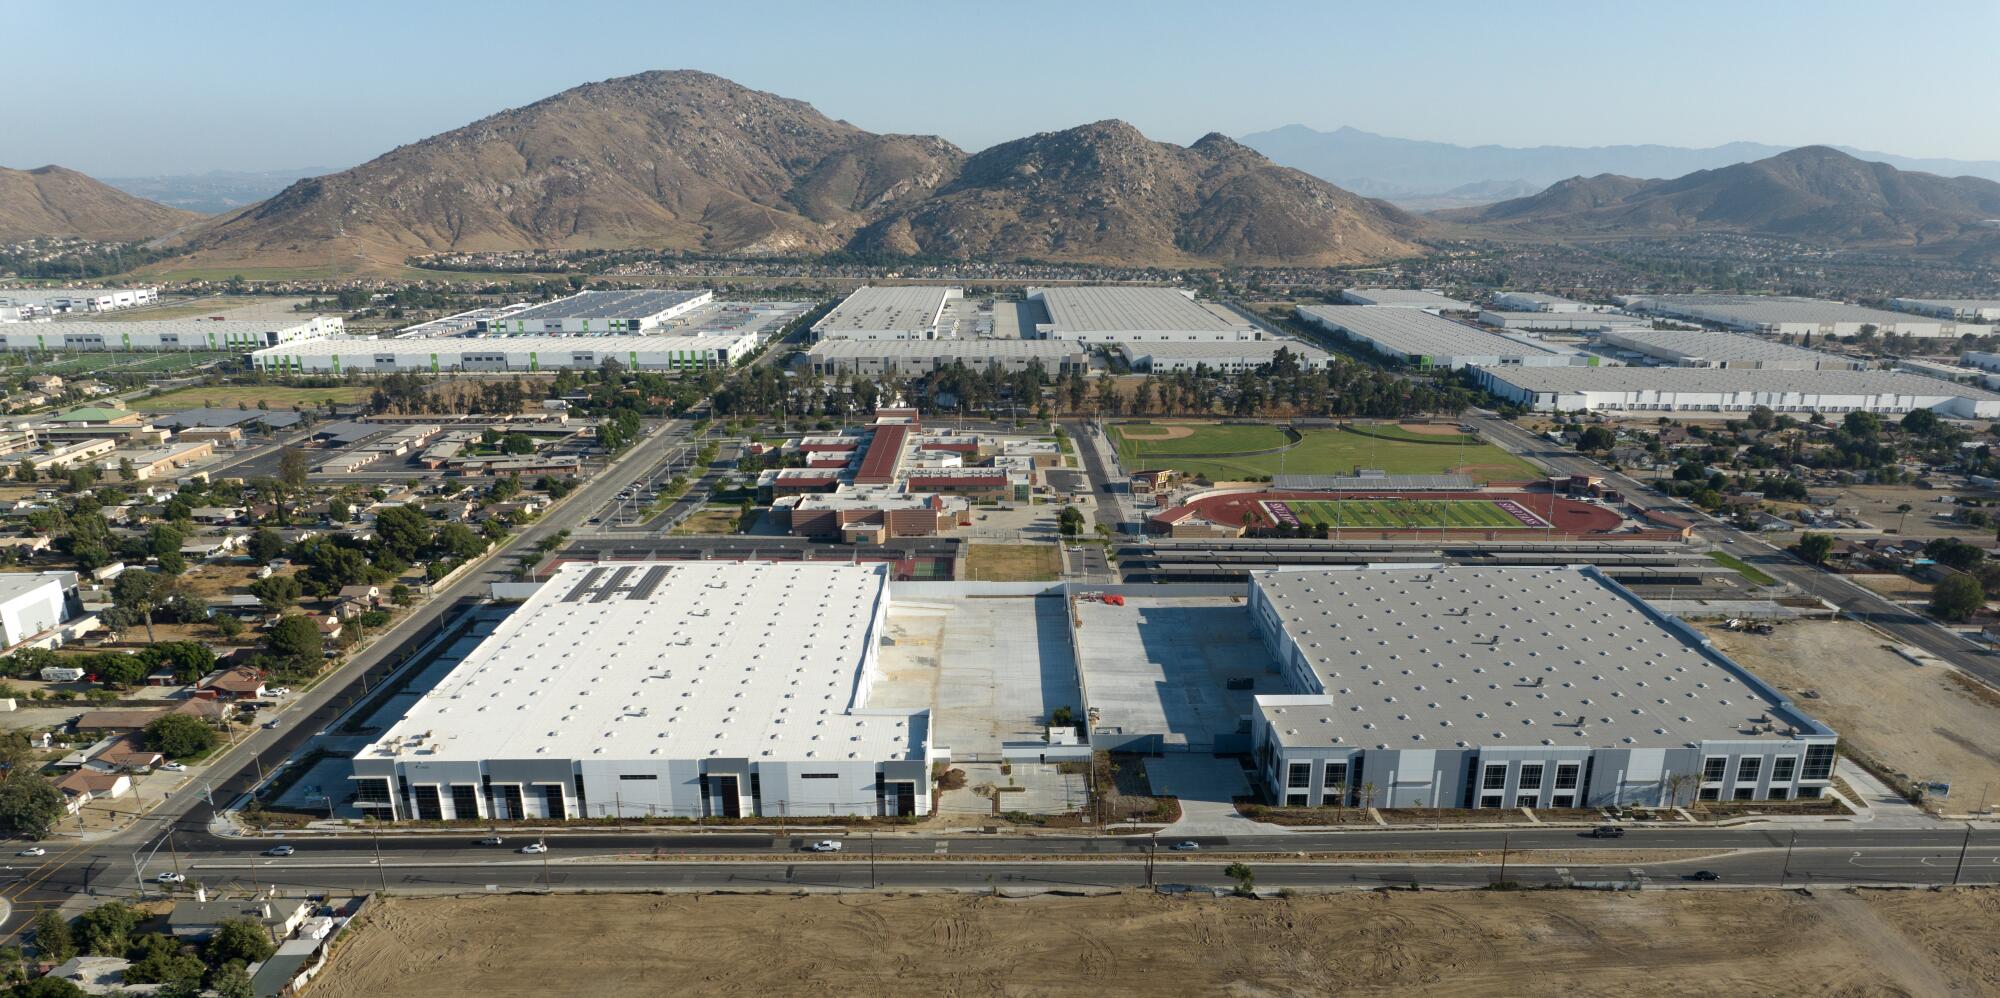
point(138, 593)
point(278, 591)
point(1070, 521)
point(26, 471)
point(178, 736)
point(171, 562)
point(403, 531)
point(292, 467)
point(1902, 515)
point(266, 546)
point(1246, 880)
point(48, 987)
point(1921, 422)
point(338, 510)
point(1954, 553)
point(1596, 438)
point(402, 595)
point(159, 959)
point(1815, 547)
point(106, 930)
point(1957, 597)
point(517, 443)
point(232, 981)
point(53, 939)
point(295, 638)
point(238, 939)
point(227, 626)
point(127, 471)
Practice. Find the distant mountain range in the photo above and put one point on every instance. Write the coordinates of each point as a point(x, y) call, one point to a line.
point(690, 161)
point(1815, 194)
point(52, 201)
point(1423, 175)
point(214, 192)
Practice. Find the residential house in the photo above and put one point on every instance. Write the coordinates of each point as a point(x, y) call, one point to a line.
point(239, 683)
point(127, 753)
point(86, 784)
point(198, 920)
point(116, 722)
point(370, 595)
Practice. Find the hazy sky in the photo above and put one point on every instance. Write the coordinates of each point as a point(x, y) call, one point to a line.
point(117, 89)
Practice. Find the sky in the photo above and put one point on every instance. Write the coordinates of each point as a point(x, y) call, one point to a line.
point(276, 86)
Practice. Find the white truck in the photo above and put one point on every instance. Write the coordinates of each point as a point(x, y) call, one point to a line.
point(61, 674)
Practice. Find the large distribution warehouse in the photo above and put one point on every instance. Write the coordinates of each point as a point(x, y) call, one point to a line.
point(1687, 389)
point(892, 313)
point(1429, 301)
point(1433, 686)
point(1794, 316)
point(638, 689)
point(589, 313)
point(1424, 339)
point(167, 334)
point(1692, 348)
point(356, 355)
point(1957, 309)
point(1136, 315)
point(1221, 358)
point(874, 358)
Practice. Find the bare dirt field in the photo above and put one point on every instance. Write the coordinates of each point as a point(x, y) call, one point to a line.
point(1158, 431)
point(1463, 943)
point(1923, 721)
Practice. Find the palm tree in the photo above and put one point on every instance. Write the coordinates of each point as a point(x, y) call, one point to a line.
point(1368, 795)
point(1903, 511)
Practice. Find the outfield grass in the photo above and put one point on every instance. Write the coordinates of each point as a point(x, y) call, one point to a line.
point(228, 396)
point(1406, 514)
point(1012, 563)
point(1320, 452)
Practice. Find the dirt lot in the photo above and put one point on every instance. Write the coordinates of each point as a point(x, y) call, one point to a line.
point(1012, 563)
point(1917, 720)
point(1465, 943)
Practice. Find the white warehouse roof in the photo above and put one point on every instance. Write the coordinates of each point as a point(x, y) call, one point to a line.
point(916, 309)
point(1723, 349)
point(1400, 298)
point(1412, 332)
point(1108, 311)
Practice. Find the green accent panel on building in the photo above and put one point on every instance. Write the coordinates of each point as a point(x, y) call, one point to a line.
point(434, 363)
point(1591, 362)
point(534, 362)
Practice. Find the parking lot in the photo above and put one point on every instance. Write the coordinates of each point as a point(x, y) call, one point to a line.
point(994, 676)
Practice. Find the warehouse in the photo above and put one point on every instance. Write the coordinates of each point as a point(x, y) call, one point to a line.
point(1535, 301)
point(1423, 339)
point(1136, 315)
point(354, 355)
point(1428, 301)
point(1432, 686)
point(1560, 322)
point(31, 604)
point(1956, 309)
point(1689, 389)
point(874, 358)
point(1693, 348)
point(650, 689)
point(1794, 316)
point(898, 313)
point(80, 299)
point(1225, 358)
point(595, 313)
point(167, 334)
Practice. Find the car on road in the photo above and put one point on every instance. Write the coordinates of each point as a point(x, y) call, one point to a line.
point(280, 691)
point(33, 851)
point(535, 847)
point(175, 767)
point(1705, 875)
point(1607, 832)
point(492, 840)
point(280, 851)
point(170, 877)
point(272, 723)
point(824, 845)
point(1188, 845)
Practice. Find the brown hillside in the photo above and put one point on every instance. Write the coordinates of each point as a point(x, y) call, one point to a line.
point(53, 201)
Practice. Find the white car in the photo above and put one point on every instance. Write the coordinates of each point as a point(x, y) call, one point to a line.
point(535, 847)
point(170, 877)
point(175, 767)
point(824, 845)
point(33, 851)
point(282, 691)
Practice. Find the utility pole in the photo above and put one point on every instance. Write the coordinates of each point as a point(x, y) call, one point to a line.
point(375, 829)
point(1962, 848)
point(176, 853)
point(1504, 842)
point(547, 884)
point(871, 859)
point(1152, 849)
point(1788, 858)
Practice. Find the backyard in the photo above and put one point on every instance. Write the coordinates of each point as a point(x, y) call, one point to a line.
point(1228, 452)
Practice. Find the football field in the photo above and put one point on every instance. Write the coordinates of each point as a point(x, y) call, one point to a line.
point(1405, 514)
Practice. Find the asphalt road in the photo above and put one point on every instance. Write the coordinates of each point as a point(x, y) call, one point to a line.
point(1853, 600)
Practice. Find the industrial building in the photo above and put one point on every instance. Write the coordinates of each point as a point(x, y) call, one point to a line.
point(355, 355)
point(1457, 687)
point(877, 357)
point(1222, 358)
point(1694, 348)
point(639, 689)
point(31, 604)
point(1429, 301)
point(1561, 322)
point(466, 323)
point(1097, 314)
point(1778, 316)
point(1535, 301)
point(60, 300)
point(595, 313)
point(1689, 389)
point(894, 313)
point(1956, 309)
point(168, 334)
point(1424, 339)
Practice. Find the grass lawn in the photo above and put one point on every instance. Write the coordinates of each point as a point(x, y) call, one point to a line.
point(1394, 514)
point(151, 361)
point(1012, 563)
point(1320, 452)
point(226, 396)
point(709, 520)
point(1741, 567)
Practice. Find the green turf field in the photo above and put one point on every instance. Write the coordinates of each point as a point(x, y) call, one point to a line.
point(1404, 514)
point(1319, 452)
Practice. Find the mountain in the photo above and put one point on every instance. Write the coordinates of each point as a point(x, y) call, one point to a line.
point(1104, 193)
point(1363, 161)
point(673, 160)
point(214, 192)
point(52, 201)
point(1814, 194)
point(689, 161)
